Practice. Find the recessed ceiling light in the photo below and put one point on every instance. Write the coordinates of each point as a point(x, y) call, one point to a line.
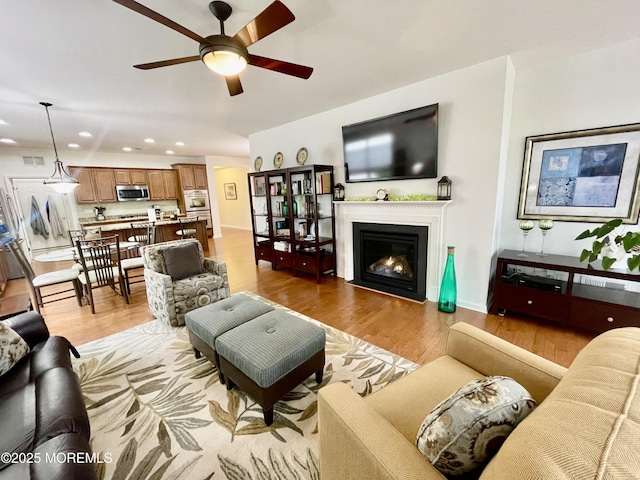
point(180, 144)
point(149, 140)
point(7, 140)
point(2, 122)
point(73, 145)
point(85, 134)
point(127, 149)
point(170, 152)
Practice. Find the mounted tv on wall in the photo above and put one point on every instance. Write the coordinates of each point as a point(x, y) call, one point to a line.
point(396, 147)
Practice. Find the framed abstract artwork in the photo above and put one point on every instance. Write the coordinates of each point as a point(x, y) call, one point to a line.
point(582, 176)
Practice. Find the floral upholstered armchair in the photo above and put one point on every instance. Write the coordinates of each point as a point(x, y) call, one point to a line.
point(180, 279)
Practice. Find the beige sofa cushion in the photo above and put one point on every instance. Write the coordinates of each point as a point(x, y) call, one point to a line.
point(406, 403)
point(589, 426)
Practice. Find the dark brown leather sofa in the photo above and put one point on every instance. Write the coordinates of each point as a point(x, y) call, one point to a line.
point(44, 428)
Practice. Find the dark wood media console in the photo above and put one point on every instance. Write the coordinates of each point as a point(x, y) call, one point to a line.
point(562, 289)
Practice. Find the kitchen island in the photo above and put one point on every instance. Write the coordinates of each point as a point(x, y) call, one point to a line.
point(165, 229)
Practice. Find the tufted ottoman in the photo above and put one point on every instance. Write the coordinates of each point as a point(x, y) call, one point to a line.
point(207, 323)
point(270, 355)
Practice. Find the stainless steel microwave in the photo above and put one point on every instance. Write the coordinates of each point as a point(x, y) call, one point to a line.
point(132, 193)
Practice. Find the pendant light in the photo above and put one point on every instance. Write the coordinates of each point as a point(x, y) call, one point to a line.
point(60, 181)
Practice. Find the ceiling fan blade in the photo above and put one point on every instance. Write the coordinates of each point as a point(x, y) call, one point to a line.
point(287, 68)
point(234, 85)
point(272, 18)
point(167, 63)
point(147, 12)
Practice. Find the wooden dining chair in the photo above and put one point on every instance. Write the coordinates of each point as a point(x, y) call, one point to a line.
point(101, 267)
point(144, 234)
point(92, 233)
point(188, 227)
point(75, 235)
point(35, 283)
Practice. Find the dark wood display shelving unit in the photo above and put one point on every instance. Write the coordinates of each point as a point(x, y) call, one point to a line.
point(562, 289)
point(281, 201)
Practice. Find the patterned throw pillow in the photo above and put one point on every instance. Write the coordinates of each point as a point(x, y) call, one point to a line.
point(12, 348)
point(465, 430)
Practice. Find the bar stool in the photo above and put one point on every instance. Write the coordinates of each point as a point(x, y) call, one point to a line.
point(144, 234)
point(187, 227)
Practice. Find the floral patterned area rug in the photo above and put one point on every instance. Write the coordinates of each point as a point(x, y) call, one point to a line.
point(157, 412)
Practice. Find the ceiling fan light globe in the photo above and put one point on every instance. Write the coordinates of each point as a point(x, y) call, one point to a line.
point(225, 62)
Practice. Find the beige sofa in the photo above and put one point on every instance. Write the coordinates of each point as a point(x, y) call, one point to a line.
point(586, 426)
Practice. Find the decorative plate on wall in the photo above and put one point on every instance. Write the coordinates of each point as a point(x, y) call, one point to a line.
point(277, 160)
point(257, 164)
point(301, 156)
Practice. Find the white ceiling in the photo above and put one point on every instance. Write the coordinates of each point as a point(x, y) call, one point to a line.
point(78, 55)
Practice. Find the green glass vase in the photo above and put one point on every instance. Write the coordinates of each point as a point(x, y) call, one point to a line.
point(448, 289)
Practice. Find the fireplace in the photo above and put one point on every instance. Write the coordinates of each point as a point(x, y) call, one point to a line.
point(391, 258)
point(427, 215)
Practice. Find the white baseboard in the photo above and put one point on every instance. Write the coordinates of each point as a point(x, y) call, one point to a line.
point(236, 227)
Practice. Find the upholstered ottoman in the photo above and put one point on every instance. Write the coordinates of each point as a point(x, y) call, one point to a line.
point(270, 355)
point(207, 323)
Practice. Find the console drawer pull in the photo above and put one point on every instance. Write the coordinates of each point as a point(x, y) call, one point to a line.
point(610, 319)
point(529, 302)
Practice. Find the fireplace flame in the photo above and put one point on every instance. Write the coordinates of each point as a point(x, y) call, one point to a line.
point(392, 266)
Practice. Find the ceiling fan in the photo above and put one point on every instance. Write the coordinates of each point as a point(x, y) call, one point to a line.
point(227, 55)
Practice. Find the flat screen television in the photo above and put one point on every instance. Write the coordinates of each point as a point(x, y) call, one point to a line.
point(399, 146)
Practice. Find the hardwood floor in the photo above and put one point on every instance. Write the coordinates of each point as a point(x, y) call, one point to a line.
point(412, 330)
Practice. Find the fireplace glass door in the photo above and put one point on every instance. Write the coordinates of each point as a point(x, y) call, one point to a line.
point(391, 258)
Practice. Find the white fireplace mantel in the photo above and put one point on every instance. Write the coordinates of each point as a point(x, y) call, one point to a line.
point(428, 214)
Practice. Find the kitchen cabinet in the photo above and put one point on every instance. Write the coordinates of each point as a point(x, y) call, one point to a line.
point(162, 185)
point(170, 185)
point(130, 176)
point(192, 176)
point(97, 185)
point(200, 177)
point(84, 192)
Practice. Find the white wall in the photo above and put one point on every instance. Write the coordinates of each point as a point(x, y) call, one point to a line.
point(471, 132)
point(486, 112)
point(595, 89)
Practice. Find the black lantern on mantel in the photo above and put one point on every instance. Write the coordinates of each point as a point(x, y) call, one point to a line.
point(444, 188)
point(338, 192)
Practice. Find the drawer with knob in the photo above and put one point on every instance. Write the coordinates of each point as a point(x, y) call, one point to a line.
point(600, 316)
point(531, 301)
point(282, 258)
point(263, 253)
point(305, 263)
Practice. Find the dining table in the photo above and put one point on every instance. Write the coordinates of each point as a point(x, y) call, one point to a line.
point(71, 253)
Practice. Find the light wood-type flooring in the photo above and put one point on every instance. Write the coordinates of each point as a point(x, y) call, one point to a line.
point(413, 330)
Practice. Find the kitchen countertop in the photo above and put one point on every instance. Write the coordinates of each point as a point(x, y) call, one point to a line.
point(110, 225)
